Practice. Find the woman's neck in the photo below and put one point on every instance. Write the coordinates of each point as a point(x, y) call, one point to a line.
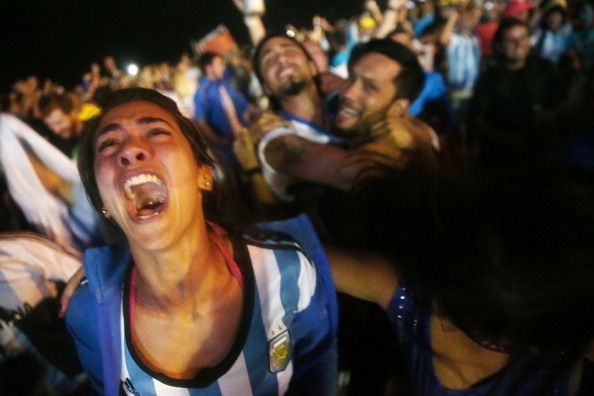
point(178, 276)
point(306, 105)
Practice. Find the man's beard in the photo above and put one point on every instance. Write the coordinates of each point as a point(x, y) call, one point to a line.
point(293, 88)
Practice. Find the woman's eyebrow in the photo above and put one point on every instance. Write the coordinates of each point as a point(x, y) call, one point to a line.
point(150, 120)
point(107, 128)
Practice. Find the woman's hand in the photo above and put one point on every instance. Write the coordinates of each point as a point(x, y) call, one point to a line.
point(71, 286)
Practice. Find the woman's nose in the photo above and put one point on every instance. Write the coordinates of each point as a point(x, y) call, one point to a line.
point(133, 153)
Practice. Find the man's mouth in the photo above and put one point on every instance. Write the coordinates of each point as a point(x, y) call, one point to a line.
point(147, 193)
point(348, 111)
point(287, 72)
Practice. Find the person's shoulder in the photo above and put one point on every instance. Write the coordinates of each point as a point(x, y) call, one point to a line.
point(106, 265)
point(537, 64)
point(278, 249)
point(280, 265)
point(274, 240)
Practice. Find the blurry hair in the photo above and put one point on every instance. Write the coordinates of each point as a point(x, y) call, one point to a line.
point(86, 160)
point(206, 59)
point(504, 25)
point(50, 102)
point(409, 82)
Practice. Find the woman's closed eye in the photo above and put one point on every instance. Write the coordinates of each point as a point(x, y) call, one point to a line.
point(158, 132)
point(104, 145)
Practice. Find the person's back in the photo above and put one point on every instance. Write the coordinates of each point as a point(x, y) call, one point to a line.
point(477, 278)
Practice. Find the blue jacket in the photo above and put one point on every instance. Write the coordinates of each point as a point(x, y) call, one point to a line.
point(93, 317)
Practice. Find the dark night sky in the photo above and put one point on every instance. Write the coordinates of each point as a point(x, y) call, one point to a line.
point(58, 39)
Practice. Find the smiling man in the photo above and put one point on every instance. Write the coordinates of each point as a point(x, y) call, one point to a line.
point(384, 79)
point(372, 125)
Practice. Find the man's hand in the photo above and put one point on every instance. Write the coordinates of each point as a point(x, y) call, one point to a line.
point(389, 136)
point(399, 136)
point(266, 123)
point(71, 286)
point(245, 151)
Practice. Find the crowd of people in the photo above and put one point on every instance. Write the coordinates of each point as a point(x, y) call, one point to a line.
point(395, 203)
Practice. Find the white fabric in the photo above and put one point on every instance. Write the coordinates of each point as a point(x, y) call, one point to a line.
point(27, 261)
point(48, 213)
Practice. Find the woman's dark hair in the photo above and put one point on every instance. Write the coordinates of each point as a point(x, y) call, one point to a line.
point(409, 82)
point(86, 158)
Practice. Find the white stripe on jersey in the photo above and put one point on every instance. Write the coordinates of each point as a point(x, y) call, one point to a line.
point(307, 282)
point(268, 282)
point(237, 379)
point(164, 389)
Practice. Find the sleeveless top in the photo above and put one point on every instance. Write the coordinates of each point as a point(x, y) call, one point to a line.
point(410, 312)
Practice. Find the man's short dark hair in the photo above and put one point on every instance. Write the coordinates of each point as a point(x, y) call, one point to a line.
point(274, 103)
point(49, 103)
point(267, 38)
point(409, 82)
point(504, 25)
point(206, 59)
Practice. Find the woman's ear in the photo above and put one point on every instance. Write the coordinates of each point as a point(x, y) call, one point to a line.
point(205, 179)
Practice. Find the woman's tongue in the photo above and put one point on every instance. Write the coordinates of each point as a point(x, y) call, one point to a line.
point(148, 198)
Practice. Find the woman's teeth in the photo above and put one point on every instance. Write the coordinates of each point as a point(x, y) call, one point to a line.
point(138, 180)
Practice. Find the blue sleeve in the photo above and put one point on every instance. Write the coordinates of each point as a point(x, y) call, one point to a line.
point(315, 356)
point(302, 231)
point(434, 87)
point(83, 329)
point(200, 104)
point(315, 360)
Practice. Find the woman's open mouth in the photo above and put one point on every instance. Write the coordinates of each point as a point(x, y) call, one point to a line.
point(147, 193)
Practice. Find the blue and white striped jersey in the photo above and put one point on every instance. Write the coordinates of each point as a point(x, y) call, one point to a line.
point(464, 58)
point(284, 327)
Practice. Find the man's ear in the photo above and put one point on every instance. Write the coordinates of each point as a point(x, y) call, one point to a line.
point(265, 89)
point(313, 68)
point(398, 108)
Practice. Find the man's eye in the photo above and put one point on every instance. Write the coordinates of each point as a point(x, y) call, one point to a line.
point(271, 58)
point(369, 87)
